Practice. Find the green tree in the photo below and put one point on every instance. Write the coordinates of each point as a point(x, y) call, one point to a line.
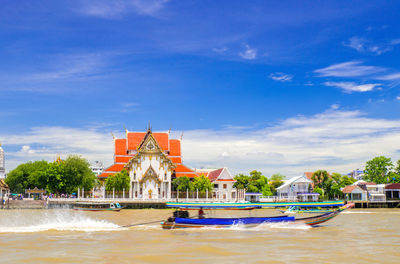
point(275, 181)
point(241, 181)
point(55, 177)
point(77, 174)
point(202, 183)
point(183, 183)
point(28, 175)
point(319, 178)
point(118, 182)
point(378, 169)
point(320, 191)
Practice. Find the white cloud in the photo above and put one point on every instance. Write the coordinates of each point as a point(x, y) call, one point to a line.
point(350, 87)
point(281, 77)
point(348, 69)
point(366, 46)
point(72, 67)
point(220, 50)
point(398, 97)
point(249, 53)
point(118, 8)
point(335, 140)
point(389, 77)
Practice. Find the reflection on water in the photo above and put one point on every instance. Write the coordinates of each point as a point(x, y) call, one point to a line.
point(65, 236)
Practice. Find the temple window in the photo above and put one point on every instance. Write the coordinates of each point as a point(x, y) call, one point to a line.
point(215, 186)
point(225, 186)
point(134, 175)
point(165, 176)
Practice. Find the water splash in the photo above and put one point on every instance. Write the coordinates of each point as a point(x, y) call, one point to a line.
point(268, 226)
point(58, 220)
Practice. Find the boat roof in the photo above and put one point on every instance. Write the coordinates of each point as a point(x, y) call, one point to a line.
point(252, 205)
point(212, 205)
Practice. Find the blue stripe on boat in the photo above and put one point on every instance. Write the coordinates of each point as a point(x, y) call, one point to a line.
point(233, 221)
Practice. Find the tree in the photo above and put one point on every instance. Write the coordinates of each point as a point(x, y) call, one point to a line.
point(118, 182)
point(182, 184)
point(256, 182)
point(275, 181)
point(241, 181)
point(28, 175)
point(320, 191)
point(77, 174)
point(202, 183)
point(319, 178)
point(378, 169)
point(55, 177)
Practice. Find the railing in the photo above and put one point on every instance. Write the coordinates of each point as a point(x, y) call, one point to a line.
point(274, 199)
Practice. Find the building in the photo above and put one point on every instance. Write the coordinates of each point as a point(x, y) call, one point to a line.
point(223, 183)
point(4, 190)
point(392, 191)
point(97, 168)
point(153, 160)
point(294, 187)
point(365, 191)
point(2, 163)
point(355, 193)
point(357, 174)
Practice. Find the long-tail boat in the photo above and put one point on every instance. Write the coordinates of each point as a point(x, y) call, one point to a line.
point(181, 219)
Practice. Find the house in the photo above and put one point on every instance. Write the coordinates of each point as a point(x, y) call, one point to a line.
point(365, 191)
point(392, 191)
point(223, 182)
point(355, 193)
point(294, 186)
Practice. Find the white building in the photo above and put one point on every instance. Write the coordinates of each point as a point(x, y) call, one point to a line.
point(294, 186)
point(97, 168)
point(223, 183)
point(2, 163)
point(365, 191)
point(153, 160)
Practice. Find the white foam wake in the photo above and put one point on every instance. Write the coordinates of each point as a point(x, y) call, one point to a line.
point(59, 220)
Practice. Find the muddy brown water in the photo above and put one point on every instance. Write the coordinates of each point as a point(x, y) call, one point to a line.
point(66, 236)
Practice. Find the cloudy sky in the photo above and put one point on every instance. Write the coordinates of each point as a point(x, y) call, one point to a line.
point(278, 86)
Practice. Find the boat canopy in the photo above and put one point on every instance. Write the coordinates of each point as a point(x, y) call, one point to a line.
point(252, 205)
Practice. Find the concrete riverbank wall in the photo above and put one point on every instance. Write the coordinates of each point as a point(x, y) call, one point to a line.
point(135, 204)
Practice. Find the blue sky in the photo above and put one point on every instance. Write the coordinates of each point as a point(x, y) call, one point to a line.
point(280, 86)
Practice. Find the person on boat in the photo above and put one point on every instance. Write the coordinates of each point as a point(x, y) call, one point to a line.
point(201, 213)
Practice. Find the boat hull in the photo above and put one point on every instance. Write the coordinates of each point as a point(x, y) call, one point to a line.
point(223, 222)
point(249, 221)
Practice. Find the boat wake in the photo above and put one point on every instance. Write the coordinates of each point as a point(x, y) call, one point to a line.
point(57, 220)
point(357, 212)
point(269, 226)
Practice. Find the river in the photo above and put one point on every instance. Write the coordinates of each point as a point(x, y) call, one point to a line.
point(66, 236)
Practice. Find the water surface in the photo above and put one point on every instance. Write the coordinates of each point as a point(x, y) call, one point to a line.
point(65, 236)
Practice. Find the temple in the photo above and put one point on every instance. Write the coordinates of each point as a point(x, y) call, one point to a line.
point(153, 160)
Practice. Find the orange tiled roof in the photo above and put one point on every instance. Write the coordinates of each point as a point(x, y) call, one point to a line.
point(162, 140)
point(176, 160)
point(123, 159)
point(105, 175)
point(175, 147)
point(115, 167)
point(182, 170)
point(120, 146)
point(134, 139)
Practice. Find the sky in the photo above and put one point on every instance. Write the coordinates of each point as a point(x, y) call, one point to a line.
point(278, 86)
